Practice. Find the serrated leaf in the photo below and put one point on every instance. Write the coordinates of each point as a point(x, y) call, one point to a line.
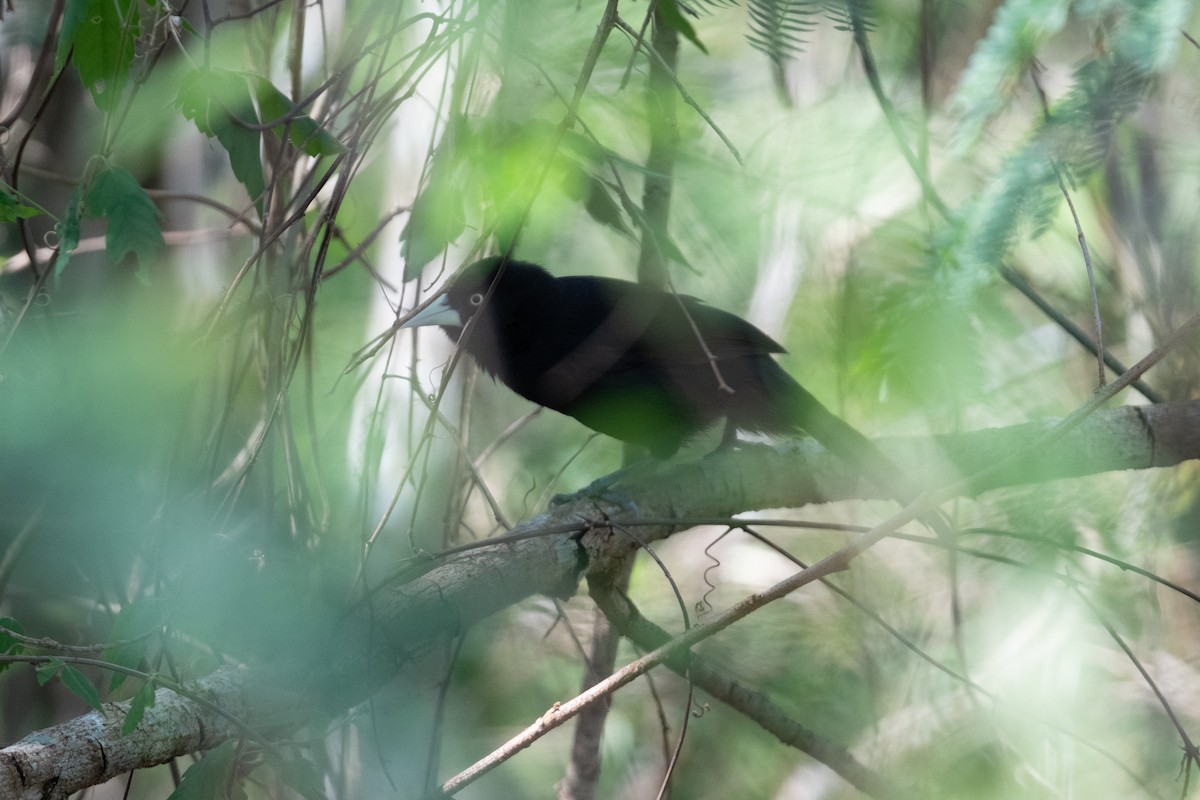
point(47, 671)
point(206, 779)
point(669, 13)
point(215, 99)
point(12, 209)
point(137, 708)
point(132, 628)
point(80, 686)
point(133, 219)
point(302, 131)
point(101, 35)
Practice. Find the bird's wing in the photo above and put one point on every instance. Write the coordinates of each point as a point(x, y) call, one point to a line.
point(644, 323)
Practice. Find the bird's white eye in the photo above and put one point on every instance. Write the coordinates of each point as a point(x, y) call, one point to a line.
point(476, 299)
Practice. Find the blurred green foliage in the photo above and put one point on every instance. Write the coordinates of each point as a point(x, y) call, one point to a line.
point(213, 462)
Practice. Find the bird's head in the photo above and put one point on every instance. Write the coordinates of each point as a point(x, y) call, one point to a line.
point(460, 299)
point(471, 292)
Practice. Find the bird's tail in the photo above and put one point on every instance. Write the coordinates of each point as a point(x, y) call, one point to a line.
point(807, 413)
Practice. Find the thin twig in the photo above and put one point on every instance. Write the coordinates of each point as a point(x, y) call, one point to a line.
point(1091, 276)
point(1014, 279)
point(837, 561)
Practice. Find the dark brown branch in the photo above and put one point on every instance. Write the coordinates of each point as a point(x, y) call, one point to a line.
point(753, 704)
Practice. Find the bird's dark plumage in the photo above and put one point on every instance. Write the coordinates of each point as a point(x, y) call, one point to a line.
point(639, 364)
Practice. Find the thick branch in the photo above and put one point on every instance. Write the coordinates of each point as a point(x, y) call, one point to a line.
point(375, 642)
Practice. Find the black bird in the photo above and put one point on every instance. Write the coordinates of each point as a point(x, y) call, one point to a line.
point(638, 364)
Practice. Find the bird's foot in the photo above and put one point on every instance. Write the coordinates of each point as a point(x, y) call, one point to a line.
point(602, 487)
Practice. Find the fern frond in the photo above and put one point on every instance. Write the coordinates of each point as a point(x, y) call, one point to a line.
point(1072, 140)
point(998, 65)
point(778, 27)
point(842, 14)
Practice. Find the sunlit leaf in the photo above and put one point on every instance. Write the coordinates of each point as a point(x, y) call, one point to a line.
point(12, 209)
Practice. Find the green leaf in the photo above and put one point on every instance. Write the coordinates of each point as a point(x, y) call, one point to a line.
point(303, 776)
point(206, 779)
point(12, 209)
point(68, 231)
point(668, 12)
point(132, 216)
point(47, 671)
point(436, 220)
point(137, 708)
point(996, 71)
point(215, 99)
point(101, 34)
point(438, 214)
point(80, 686)
point(10, 645)
point(596, 195)
point(132, 629)
point(302, 131)
point(74, 15)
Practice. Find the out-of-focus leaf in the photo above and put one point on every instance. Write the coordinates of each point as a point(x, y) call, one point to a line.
point(603, 208)
point(215, 99)
point(438, 215)
point(206, 779)
point(997, 68)
point(131, 631)
point(12, 209)
point(303, 776)
point(668, 12)
point(596, 196)
point(47, 671)
point(133, 220)
point(68, 231)
point(302, 130)
point(8, 644)
point(436, 220)
point(778, 27)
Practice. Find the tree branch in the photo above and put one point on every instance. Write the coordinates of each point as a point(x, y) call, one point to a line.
point(547, 555)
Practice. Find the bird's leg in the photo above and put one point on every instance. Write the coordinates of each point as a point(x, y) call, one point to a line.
point(729, 438)
point(603, 485)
